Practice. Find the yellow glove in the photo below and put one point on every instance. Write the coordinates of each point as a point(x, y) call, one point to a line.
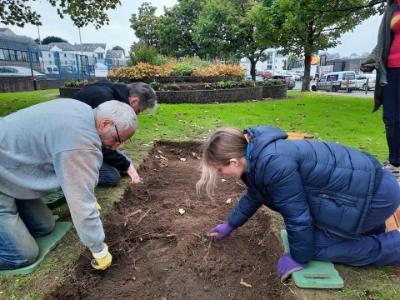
point(102, 260)
point(98, 206)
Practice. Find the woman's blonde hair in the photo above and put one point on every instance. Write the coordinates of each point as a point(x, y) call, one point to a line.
point(223, 145)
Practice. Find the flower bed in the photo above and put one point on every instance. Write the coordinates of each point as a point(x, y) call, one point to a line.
point(176, 79)
point(142, 71)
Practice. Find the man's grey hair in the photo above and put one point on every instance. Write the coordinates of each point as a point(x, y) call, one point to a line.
point(147, 96)
point(122, 114)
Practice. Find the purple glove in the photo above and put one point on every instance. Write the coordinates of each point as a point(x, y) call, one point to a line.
point(286, 266)
point(220, 231)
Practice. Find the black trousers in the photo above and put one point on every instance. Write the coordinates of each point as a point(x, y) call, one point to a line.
point(391, 114)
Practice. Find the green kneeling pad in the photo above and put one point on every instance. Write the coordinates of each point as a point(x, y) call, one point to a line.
point(54, 199)
point(317, 274)
point(46, 244)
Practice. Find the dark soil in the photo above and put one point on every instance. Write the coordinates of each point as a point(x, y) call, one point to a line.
point(160, 253)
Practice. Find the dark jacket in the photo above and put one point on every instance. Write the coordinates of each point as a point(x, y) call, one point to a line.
point(379, 55)
point(310, 183)
point(96, 94)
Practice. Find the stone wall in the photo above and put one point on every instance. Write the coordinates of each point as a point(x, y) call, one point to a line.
point(208, 96)
point(22, 84)
point(275, 91)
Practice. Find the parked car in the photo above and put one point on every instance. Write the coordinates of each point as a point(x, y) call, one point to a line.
point(267, 75)
point(362, 80)
point(289, 79)
point(18, 72)
point(336, 81)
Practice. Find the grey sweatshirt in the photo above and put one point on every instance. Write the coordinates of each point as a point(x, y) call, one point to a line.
point(51, 145)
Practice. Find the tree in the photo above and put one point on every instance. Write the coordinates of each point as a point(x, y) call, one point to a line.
point(307, 26)
point(225, 28)
point(52, 39)
point(145, 24)
point(82, 13)
point(140, 52)
point(175, 27)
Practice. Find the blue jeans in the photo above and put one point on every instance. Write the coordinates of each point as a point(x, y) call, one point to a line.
point(375, 246)
point(391, 114)
point(108, 175)
point(20, 222)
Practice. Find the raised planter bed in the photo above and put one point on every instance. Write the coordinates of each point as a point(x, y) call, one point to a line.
point(211, 96)
point(275, 91)
point(208, 96)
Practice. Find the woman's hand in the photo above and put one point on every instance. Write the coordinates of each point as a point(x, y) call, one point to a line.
point(220, 231)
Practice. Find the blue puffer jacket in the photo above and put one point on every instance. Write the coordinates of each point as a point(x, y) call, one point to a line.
point(311, 183)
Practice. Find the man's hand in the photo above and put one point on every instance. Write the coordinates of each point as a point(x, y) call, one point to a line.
point(102, 260)
point(133, 174)
point(286, 266)
point(220, 231)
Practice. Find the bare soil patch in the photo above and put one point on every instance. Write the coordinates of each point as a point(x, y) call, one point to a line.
point(157, 235)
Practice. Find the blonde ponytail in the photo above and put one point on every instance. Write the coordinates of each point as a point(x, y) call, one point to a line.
point(223, 145)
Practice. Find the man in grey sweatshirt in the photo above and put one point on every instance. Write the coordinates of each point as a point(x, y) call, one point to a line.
point(52, 145)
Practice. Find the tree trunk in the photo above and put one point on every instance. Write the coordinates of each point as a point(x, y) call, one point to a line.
point(253, 69)
point(307, 68)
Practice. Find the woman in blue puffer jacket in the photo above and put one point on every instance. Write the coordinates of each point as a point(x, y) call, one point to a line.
point(334, 199)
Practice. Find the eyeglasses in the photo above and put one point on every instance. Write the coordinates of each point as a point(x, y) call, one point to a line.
point(119, 141)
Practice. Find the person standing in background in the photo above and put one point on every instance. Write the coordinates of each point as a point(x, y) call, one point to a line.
point(385, 58)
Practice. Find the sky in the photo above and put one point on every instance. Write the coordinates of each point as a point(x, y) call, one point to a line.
point(118, 32)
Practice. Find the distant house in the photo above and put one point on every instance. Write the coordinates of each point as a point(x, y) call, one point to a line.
point(115, 58)
point(95, 51)
point(274, 62)
point(18, 50)
point(70, 57)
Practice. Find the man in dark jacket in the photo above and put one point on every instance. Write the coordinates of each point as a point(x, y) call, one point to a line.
point(139, 96)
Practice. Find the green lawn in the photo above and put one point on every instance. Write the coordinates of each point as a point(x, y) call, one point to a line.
point(346, 120)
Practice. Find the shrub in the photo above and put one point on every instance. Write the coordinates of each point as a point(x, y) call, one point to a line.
point(76, 83)
point(144, 70)
point(155, 85)
point(141, 53)
point(220, 69)
point(184, 69)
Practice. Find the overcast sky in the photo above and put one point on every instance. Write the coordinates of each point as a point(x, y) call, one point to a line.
point(118, 32)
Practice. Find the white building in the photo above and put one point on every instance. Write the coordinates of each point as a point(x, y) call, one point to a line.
point(69, 58)
point(275, 63)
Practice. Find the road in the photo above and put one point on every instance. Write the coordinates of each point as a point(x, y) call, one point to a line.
point(360, 93)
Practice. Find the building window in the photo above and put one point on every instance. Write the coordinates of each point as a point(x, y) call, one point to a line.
point(18, 55)
point(65, 54)
point(50, 55)
point(24, 55)
point(2, 55)
point(100, 55)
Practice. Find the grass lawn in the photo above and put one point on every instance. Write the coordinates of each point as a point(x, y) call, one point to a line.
point(347, 120)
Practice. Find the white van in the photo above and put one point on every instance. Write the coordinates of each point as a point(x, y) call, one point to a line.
point(336, 81)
